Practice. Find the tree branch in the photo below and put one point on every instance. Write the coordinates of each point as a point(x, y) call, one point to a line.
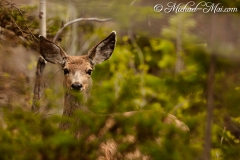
point(9, 14)
point(77, 20)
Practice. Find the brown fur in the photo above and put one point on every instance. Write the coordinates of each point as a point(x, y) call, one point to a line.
point(79, 64)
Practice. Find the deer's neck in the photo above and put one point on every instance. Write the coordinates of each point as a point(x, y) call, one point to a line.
point(72, 103)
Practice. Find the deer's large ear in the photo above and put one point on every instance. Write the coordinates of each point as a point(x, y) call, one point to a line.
point(103, 50)
point(52, 52)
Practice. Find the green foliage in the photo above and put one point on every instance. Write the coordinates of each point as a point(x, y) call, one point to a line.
point(20, 20)
point(37, 137)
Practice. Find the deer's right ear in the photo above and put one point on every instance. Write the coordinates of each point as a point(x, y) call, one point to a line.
point(52, 52)
point(103, 50)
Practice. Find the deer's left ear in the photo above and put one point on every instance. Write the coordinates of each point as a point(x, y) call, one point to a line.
point(52, 52)
point(103, 50)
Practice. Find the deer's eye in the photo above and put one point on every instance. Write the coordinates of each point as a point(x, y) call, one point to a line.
point(89, 72)
point(66, 71)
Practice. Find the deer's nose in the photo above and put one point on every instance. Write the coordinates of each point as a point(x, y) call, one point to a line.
point(76, 86)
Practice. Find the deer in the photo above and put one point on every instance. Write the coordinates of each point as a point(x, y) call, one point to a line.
point(77, 83)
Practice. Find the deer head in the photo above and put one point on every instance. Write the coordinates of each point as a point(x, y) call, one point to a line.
point(77, 69)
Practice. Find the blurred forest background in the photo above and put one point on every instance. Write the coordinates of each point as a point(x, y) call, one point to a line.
point(186, 64)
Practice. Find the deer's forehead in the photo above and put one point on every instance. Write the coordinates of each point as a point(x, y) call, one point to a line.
point(78, 63)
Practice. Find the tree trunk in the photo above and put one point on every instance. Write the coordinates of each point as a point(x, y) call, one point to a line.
point(210, 106)
point(41, 62)
point(179, 62)
point(42, 17)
